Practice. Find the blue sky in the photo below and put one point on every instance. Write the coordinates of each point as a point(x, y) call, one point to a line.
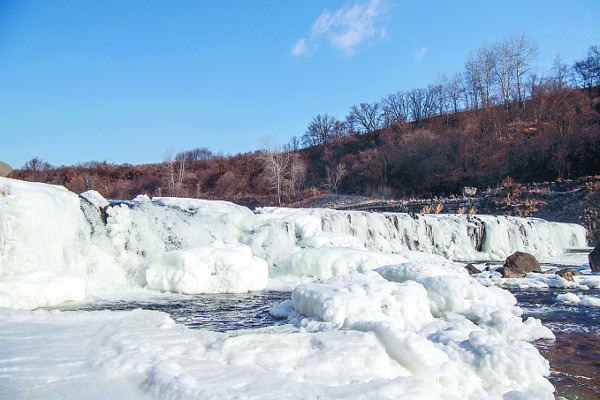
point(128, 81)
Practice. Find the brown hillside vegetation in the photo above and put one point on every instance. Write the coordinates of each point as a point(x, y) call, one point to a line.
point(554, 135)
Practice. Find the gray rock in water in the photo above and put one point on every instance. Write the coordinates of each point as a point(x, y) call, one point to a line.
point(5, 169)
point(519, 264)
point(471, 269)
point(594, 258)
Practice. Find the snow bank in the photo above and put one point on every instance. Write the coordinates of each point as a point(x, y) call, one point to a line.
point(443, 327)
point(144, 354)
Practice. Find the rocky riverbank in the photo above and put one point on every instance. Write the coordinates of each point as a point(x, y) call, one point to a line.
point(576, 201)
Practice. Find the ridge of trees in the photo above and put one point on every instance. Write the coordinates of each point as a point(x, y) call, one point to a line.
point(496, 119)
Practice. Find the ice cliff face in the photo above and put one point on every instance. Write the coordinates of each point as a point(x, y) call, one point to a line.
point(84, 244)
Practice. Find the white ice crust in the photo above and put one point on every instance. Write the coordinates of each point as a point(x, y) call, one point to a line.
point(379, 309)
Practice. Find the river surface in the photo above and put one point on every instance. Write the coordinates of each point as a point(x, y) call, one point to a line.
point(574, 356)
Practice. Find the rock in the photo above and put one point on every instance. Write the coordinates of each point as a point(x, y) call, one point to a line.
point(594, 258)
point(471, 269)
point(566, 274)
point(5, 169)
point(519, 264)
point(550, 271)
point(468, 191)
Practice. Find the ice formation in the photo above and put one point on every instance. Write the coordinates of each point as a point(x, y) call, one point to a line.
point(378, 310)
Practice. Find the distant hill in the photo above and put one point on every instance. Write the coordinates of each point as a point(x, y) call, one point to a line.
point(554, 135)
point(5, 169)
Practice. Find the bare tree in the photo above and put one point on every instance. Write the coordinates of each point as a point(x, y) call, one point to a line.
point(487, 63)
point(275, 161)
point(320, 130)
point(587, 71)
point(394, 109)
point(525, 51)
point(505, 68)
point(170, 165)
point(419, 104)
point(560, 73)
point(36, 164)
point(296, 173)
point(437, 98)
point(335, 176)
point(197, 154)
point(454, 89)
point(180, 158)
point(366, 117)
point(472, 82)
point(480, 75)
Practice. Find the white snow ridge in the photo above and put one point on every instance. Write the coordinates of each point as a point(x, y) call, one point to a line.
point(378, 309)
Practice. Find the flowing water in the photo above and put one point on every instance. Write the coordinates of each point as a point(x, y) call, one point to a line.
point(575, 354)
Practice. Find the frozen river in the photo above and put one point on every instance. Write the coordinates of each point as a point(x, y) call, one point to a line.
point(172, 298)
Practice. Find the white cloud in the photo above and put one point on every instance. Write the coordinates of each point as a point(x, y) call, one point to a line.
point(299, 48)
point(346, 28)
point(421, 53)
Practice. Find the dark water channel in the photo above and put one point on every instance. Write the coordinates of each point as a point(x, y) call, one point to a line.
point(218, 312)
point(575, 354)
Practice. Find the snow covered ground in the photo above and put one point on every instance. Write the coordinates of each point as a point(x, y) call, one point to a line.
point(378, 308)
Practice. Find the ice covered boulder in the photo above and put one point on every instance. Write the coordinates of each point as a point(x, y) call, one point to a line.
point(216, 268)
point(519, 264)
point(594, 258)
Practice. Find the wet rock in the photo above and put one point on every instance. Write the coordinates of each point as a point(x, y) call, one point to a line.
point(519, 264)
point(471, 269)
point(594, 258)
point(550, 271)
point(566, 274)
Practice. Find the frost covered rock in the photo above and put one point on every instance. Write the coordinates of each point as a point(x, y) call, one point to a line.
point(594, 258)
point(519, 264)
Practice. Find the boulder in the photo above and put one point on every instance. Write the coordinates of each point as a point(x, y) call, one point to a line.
point(5, 169)
point(566, 274)
point(471, 269)
point(518, 264)
point(594, 258)
point(468, 191)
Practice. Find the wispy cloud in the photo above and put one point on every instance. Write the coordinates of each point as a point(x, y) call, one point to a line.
point(345, 28)
point(421, 53)
point(299, 48)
